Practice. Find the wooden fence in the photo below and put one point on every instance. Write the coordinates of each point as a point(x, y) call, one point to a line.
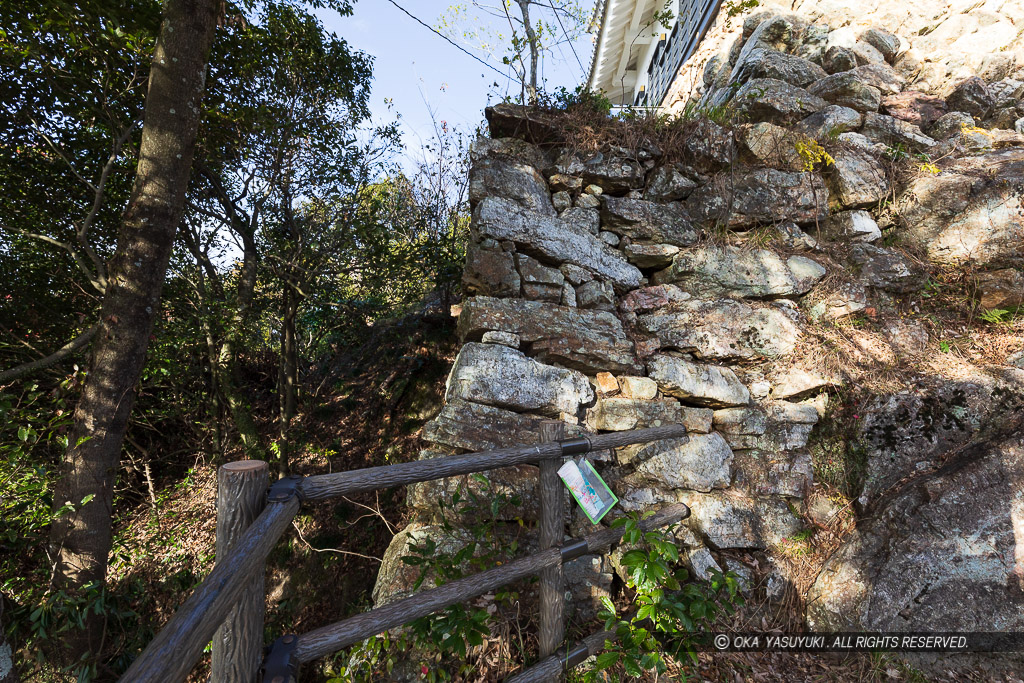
point(228, 606)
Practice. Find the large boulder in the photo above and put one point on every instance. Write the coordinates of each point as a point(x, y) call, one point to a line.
point(725, 329)
point(707, 385)
point(857, 180)
point(475, 427)
point(699, 463)
point(648, 221)
point(909, 432)
point(761, 195)
point(886, 269)
point(1002, 289)
point(513, 180)
point(848, 89)
point(895, 133)
point(554, 239)
point(506, 378)
point(940, 554)
point(531, 124)
point(611, 173)
point(972, 96)
point(732, 519)
point(587, 340)
point(737, 272)
point(769, 99)
point(765, 62)
point(972, 211)
point(490, 270)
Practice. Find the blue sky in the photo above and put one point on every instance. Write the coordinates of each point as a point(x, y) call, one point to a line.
point(420, 72)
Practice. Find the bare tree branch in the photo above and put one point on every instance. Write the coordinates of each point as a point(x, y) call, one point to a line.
point(54, 358)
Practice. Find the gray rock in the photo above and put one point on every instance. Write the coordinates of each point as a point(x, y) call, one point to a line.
point(895, 132)
point(503, 338)
point(783, 426)
point(887, 44)
point(972, 96)
point(610, 173)
point(848, 89)
point(531, 124)
point(582, 220)
point(555, 239)
point(568, 295)
point(574, 274)
point(596, 294)
point(698, 463)
point(506, 378)
point(886, 269)
point(609, 238)
point(698, 558)
point(618, 414)
point(733, 520)
point(490, 271)
point(790, 236)
point(641, 388)
point(830, 122)
point(836, 302)
point(476, 427)
point(857, 226)
point(970, 212)
point(586, 340)
point(707, 385)
point(725, 329)
point(772, 473)
point(1016, 359)
point(588, 580)
point(866, 53)
point(1006, 93)
point(838, 59)
point(643, 255)
point(775, 101)
point(587, 201)
point(768, 63)
point(918, 108)
point(509, 148)
point(665, 183)
point(797, 382)
point(905, 433)
point(648, 299)
point(774, 146)
point(1003, 289)
point(565, 183)
point(396, 578)
point(561, 201)
point(907, 337)
point(511, 180)
point(639, 219)
point(939, 555)
point(713, 270)
point(758, 196)
point(859, 141)
point(857, 180)
point(881, 76)
point(710, 147)
point(539, 282)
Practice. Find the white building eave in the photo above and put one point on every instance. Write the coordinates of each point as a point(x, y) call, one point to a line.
point(625, 32)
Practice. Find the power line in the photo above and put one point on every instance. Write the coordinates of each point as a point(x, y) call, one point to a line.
point(434, 30)
point(567, 38)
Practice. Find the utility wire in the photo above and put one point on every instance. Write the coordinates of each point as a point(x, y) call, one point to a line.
point(567, 38)
point(434, 30)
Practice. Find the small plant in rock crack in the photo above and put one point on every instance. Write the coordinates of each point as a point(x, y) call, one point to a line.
point(665, 610)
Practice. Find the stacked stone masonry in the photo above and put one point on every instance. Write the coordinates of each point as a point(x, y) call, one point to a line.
point(613, 290)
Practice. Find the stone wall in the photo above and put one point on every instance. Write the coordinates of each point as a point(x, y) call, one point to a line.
point(730, 285)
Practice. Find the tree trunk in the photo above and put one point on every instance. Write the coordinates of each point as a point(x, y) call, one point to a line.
point(81, 539)
point(531, 39)
point(289, 374)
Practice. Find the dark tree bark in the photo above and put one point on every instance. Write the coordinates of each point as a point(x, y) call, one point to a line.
point(80, 541)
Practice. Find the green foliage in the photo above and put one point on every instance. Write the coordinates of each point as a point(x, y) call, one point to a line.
point(812, 154)
point(578, 99)
point(996, 316)
point(665, 609)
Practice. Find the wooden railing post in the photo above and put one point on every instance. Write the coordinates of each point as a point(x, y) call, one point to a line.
point(238, 642)
point(552, 531)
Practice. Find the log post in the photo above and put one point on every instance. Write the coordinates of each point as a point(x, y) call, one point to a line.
point(552, 531)
point(238, 642)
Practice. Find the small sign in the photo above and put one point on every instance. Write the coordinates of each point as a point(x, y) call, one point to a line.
point(588, 488)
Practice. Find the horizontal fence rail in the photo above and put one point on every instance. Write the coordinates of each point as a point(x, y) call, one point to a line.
point(328, 639)
point(173, 653)
point(555, 666)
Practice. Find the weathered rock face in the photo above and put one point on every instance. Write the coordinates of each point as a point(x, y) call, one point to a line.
point(648, 221)
point(735, 272)
point(940, 553)
point(589, 341)
point(515, 181)
point(760, 196)
point(857, 180)
point(769, 99)
point(554, 239)
point(699, 463)
point(972, 211)
point(506, 378)
point(701, 384)
point(724, 329)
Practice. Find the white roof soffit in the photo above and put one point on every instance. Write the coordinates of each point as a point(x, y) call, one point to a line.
point(623, 30)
